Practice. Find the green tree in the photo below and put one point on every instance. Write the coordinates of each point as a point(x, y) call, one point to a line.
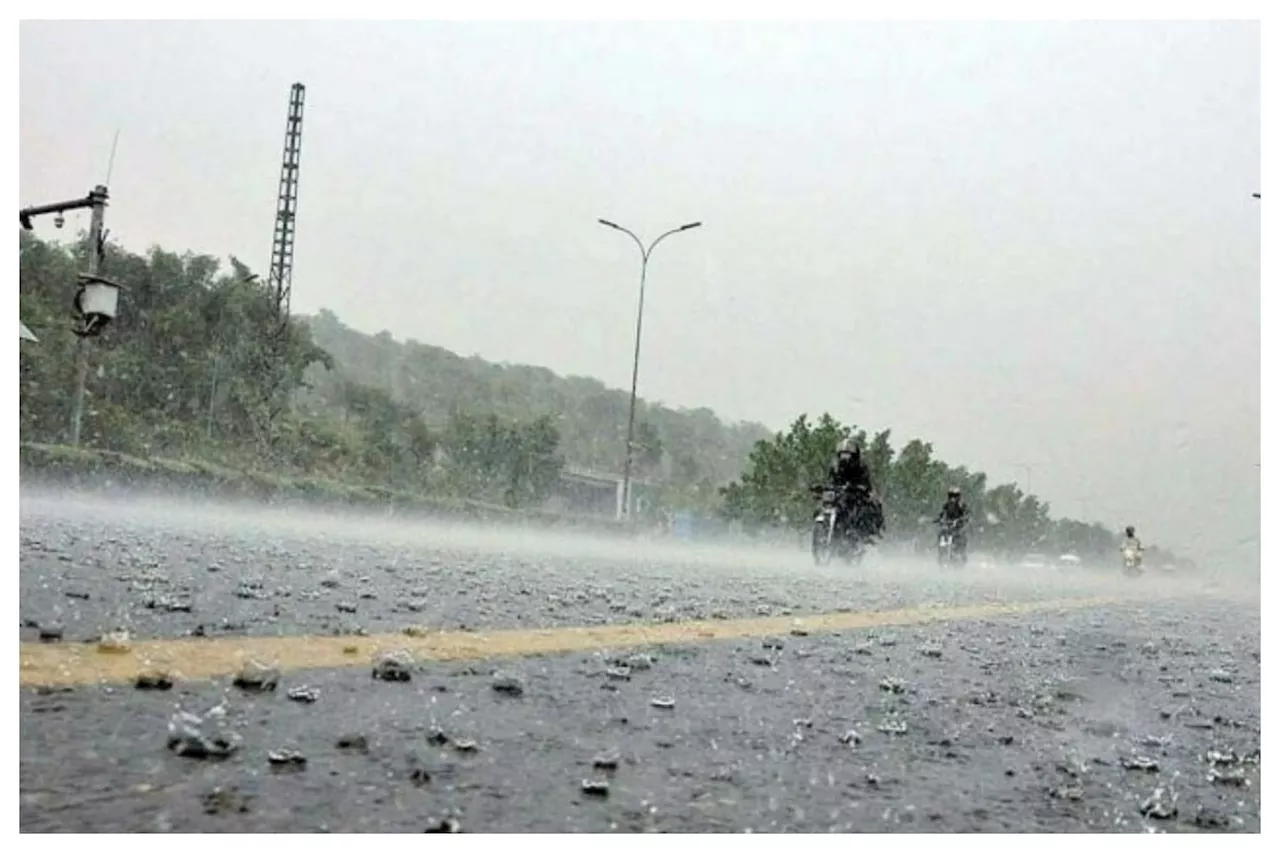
point(773, 492)
point(180, 366)
point(879, 456)
point(517, 463)
point(774, 488)
point(535, 462)
point(916, 481)
point(648, 449)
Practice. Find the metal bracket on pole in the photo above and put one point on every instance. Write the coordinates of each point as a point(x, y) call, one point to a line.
point(96, 196)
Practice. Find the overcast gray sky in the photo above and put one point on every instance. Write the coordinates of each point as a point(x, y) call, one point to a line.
point(1029, 243)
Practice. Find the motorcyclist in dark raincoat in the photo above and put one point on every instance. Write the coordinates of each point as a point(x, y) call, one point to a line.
point(850, 475)
point(955, 515)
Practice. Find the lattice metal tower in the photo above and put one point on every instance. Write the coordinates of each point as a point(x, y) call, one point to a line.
point(280, 279)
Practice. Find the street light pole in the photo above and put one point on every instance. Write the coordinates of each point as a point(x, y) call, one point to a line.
point(635, 363)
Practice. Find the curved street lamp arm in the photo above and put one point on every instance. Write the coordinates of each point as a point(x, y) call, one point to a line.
point(662, 237)
point(644, 255)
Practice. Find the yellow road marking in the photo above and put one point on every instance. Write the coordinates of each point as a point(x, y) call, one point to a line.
point(50, 664)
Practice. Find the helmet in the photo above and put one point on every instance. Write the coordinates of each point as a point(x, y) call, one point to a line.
point(953, 492)
point(1128, 531)
point(847, 445)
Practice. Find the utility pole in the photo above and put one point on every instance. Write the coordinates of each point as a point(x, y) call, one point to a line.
point(96, 216)
point(96, 315)
point(280, 275)
point(280, 271)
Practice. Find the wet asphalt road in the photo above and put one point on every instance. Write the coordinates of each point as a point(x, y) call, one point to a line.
point(1082, 720)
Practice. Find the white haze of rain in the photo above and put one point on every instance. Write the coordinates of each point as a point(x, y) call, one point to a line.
point(1027, 243)
point(416, 539)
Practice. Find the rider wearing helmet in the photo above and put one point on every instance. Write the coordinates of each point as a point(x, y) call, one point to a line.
point(848, 470)
point(849, 475)
point(954, 510)
point(1131, 541)
point(955, 514)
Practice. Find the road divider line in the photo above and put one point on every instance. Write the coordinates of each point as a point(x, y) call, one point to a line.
point(187, 659)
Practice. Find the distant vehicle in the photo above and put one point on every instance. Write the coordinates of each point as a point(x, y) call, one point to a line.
point(1034, 561)
point(1069, 561)
point(1132, 561)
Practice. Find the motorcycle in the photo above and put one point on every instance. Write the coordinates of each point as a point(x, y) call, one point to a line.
point(833, 535)
point(1132, 561)
point(951, 550)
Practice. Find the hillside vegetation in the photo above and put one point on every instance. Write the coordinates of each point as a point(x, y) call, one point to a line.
point(195, 369)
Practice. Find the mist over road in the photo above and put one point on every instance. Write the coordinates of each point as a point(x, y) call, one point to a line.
point(675, 687)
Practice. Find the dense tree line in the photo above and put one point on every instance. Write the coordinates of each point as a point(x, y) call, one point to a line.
point(196, 365)
point(773, 493)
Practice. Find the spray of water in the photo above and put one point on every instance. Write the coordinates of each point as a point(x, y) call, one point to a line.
point(627, 554)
